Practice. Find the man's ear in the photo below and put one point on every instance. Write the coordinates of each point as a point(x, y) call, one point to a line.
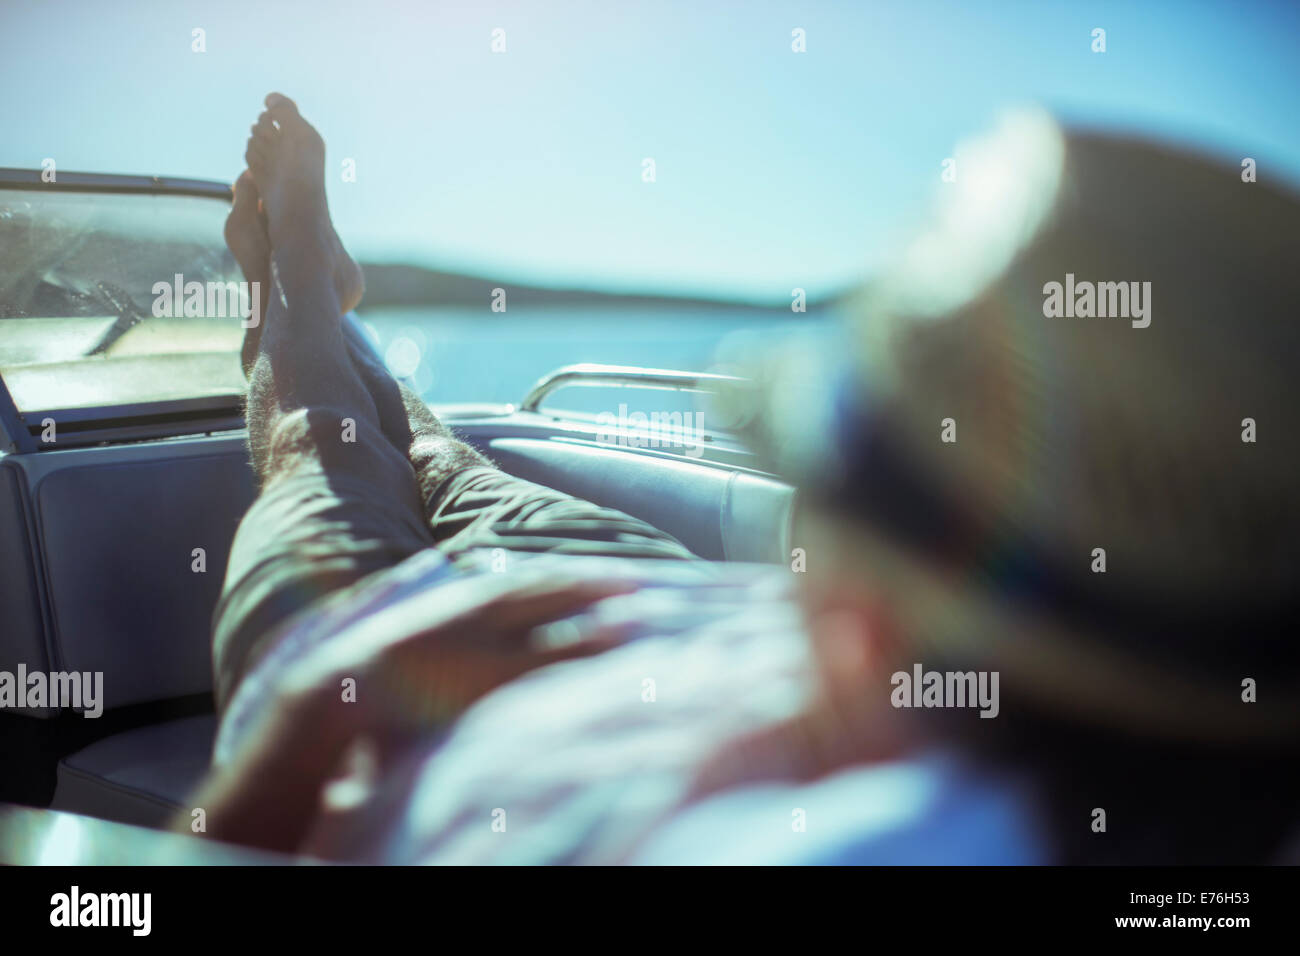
point(849, 619)
point(852, 637)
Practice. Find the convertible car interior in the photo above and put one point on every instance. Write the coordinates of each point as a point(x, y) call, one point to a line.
point(124, 474)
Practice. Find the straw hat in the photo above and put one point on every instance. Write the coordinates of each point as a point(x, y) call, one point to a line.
point(1000, 448)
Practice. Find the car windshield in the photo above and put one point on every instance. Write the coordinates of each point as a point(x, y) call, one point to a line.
point(96, 310)
point(80, 323)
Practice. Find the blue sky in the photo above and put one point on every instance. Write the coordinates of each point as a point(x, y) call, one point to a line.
point(774, 169)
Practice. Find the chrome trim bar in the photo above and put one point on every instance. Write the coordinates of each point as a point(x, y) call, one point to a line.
point(113, 183)
point(625, 376)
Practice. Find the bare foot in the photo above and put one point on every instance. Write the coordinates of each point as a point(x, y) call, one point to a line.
point(286, 157)
point(250, 244)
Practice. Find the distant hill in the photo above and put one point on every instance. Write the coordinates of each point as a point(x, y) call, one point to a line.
point(390, 285)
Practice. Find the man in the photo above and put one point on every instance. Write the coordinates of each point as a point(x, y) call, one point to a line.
point(357, 475)
point(1057, 525)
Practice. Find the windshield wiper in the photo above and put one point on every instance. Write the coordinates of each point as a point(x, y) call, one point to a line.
point(128, 314)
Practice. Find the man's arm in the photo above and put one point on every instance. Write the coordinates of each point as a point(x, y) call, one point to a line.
point(270, 793)
point(475, 635)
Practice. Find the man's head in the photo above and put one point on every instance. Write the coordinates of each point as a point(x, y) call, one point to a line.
point(1057, 443)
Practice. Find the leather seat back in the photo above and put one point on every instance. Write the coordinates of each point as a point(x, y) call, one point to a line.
point(132, 548)
point(22, 627)
point(718, 513)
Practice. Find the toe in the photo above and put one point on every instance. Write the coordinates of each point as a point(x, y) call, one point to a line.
point(287, 118)
point(264, 128)
point(255, 156)
point(279, 103)
point(281, 109)
point(246, 195)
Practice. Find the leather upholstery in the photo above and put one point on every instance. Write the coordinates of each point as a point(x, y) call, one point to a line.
point(136, 589)
point(718, 513)
point(141, 776)
point(22, 632)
